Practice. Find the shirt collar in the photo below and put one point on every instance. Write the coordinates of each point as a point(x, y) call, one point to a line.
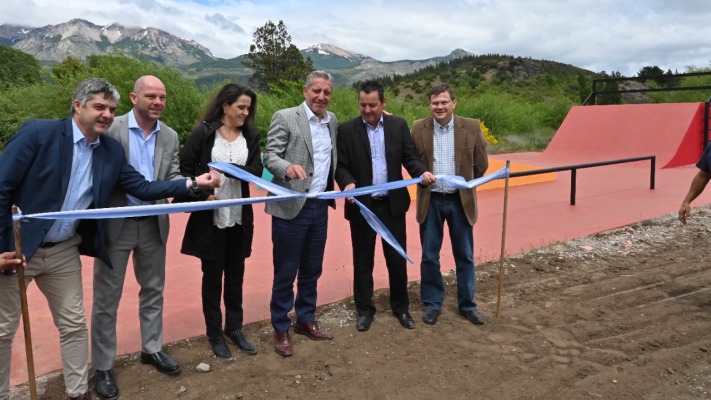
point(310, 114)
point(367, 125)
point(78, 136)
point(133, 124)
point(449, 124)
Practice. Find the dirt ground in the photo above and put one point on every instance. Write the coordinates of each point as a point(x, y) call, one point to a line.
point(622, 314)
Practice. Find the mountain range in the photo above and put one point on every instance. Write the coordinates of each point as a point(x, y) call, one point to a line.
point(79, 38)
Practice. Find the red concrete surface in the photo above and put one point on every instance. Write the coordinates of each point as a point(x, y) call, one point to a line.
point(595, 133)
point(538, 214)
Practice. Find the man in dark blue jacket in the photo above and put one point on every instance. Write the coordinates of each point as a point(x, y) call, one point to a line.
point(62, 165)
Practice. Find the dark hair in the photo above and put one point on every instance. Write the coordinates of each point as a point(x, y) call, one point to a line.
point(88, 88)
point(439, 89)
point(372, 86)
point(229, 94)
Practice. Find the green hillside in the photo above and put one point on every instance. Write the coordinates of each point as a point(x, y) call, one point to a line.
point(524, 78)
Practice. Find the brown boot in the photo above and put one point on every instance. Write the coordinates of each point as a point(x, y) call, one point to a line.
point(282, 344)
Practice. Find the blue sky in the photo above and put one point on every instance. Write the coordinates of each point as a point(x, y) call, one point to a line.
point(619, 35)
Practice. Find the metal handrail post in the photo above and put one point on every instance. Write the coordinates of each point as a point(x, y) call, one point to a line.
point(574, 171)
point(573, 180)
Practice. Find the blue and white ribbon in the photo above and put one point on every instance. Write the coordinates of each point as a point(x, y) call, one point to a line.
point(279, 194)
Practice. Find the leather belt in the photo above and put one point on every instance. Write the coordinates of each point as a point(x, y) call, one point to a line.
point(140, 218)
point(46, 245)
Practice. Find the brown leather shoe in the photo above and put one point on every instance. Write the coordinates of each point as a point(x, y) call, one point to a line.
point(312, 331)
point(282, 344)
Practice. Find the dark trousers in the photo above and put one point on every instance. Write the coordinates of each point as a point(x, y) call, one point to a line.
point(363, 241)
point(229, 261)
point(299, 244)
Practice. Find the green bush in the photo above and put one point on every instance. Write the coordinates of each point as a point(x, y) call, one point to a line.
point(521, 115)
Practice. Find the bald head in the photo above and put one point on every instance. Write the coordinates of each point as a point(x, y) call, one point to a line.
point(148, 98)
point(147, 81)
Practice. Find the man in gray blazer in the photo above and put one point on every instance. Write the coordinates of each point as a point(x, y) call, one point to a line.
point(152, 149)
point(301, 154)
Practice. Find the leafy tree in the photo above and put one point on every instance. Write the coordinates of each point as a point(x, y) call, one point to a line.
point(651, 73)
point(671, 81)
point(609, 98)
point(182, 109)
point(274, 59)
point(584, 87)
point(69, 68)
point(52, 98)
point(17, 67)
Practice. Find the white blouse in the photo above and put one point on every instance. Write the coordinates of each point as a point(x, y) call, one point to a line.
point(234, 152)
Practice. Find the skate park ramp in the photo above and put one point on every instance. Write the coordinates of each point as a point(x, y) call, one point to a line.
point(673, 132)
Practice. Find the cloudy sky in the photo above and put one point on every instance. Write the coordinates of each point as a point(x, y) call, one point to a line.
point(602, 35)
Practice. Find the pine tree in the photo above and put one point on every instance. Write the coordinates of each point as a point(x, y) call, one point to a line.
point(273, 59)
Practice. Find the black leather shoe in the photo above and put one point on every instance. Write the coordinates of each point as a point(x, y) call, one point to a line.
point(473, 316)
point(163, 362)
point(243, 345)
point(105, 384)
point(364, 322)
point(219, 347)
point(430, 315)
point(406, 320)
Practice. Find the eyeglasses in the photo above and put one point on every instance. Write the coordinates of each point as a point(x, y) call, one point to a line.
point(440, 103)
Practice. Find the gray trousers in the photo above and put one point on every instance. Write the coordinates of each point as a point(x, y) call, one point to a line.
point(57, 271)
point(142, 238)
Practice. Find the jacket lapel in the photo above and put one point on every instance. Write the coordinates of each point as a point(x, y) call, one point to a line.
point(66, 154)
point(362, 134)
point(428, 142)
point(158, 155)
point(123, 133)
point(97, 165)
point(460, 135)
point(305, 128)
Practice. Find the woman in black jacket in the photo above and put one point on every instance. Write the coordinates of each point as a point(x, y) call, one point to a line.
point(222, 238)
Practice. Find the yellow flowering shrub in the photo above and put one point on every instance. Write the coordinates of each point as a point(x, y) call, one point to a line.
point(487, 133)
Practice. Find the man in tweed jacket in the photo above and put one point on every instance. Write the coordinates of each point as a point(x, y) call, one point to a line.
point(301, 154)
point(448, 144)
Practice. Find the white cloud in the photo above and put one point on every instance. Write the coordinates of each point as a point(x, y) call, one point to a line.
point(610, 35)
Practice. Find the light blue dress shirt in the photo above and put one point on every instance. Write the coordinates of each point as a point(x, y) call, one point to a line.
point(142, 150)
point(79, 196)
point(376, 137)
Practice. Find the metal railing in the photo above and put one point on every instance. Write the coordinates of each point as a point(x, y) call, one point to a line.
point(592, 97)
point(575, 167)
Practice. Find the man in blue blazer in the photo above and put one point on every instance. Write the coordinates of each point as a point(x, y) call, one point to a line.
point(62, 165)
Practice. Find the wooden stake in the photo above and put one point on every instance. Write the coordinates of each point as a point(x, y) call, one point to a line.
point(25, 310)
point(503, 242)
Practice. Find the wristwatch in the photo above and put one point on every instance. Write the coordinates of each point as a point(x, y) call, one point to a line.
point(195, 186)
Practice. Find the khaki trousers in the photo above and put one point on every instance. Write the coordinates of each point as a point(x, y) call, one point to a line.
point(57, 271)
